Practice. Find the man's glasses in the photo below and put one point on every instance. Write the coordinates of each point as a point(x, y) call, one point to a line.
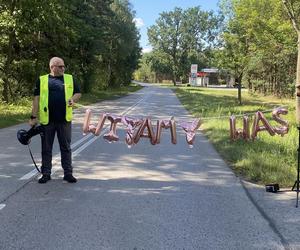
point(60, 66)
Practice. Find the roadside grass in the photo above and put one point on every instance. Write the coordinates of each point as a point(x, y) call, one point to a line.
point(11, 114)
point(267, 159)
point(19, 112)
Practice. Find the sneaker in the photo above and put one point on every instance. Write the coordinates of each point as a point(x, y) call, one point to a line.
point(70, 178)
point(45, 178)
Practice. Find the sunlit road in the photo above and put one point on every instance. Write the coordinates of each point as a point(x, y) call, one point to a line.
point(144, 197)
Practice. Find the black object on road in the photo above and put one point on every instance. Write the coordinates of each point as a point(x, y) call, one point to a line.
point(273, 188)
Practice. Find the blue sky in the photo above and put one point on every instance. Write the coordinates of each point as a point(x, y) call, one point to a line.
point(147, 11)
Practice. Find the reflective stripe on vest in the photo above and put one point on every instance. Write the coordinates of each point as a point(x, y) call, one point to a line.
point(44, 96)
point(69, 88)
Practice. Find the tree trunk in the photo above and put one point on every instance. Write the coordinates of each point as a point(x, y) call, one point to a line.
point(240, 93)
point(250, 87)
point(9, 58)
point(6, 68)
point(298, 83)
point(174, 79)
point(239, 85)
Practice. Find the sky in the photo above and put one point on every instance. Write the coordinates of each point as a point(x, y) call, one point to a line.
point(147, 12)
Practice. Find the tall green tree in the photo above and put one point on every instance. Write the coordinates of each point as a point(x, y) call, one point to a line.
point(233, 57)
point(144, 72)
point(258, 46)
point(181, 37)
point(123, 41)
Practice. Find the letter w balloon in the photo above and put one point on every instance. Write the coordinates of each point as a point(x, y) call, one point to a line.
point(239, 133)
point(90, 128)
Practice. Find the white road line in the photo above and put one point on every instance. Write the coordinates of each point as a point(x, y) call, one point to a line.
point(77, 151)
point(29, 175)
point(34, 171)
point(134, 105)
point(81, 140)
point(2, 206)
point(84, 146)
point(55, 159)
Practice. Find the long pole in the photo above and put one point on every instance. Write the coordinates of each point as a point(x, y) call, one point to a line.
point(298, 168)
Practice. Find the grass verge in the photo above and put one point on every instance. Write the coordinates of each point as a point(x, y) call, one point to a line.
point(11, 114)
point(267, 159)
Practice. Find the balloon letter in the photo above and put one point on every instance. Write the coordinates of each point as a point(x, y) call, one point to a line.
point(140, 133)
point(86, 121)
point(100, 124)
point(239, 133)
point(259, 116)
point(190, 128)
point(166, 124)
point(112, 135)
point(131, 126)
point(285, 125)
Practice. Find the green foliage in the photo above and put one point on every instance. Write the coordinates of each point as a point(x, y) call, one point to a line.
point(259, 46)
point(97, 40)
point(181, 38)
point(124, 52)
point(264, 160)
point(11, 114)
point(144, 72)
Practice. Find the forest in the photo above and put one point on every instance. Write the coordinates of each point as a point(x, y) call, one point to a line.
point(252, 41)
point(97, 39)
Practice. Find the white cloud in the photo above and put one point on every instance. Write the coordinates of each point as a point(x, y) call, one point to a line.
point(138, 22)
point(147, 49)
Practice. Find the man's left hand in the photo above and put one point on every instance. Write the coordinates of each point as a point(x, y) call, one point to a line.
point(71, 103)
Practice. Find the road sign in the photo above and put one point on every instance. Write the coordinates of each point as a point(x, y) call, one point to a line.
point(194, 68)
point(212, 70)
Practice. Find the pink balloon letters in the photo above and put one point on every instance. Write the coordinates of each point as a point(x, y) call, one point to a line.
point(138, 128)
point(190, 128)
point(143, 128)
point(256, 128)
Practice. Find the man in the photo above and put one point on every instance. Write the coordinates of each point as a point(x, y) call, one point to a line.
point(54, 96)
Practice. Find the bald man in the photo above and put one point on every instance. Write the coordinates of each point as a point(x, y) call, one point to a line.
point(54, 96)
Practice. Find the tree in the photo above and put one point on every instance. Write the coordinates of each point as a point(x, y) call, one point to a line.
point(182, 37)
point(123, 39)
point(144, 73)
point(293, 10)
point(258, 46)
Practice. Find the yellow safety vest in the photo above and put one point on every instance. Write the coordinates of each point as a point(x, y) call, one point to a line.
point(44, 94)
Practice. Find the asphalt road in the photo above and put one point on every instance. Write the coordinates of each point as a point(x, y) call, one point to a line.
point(144, 197)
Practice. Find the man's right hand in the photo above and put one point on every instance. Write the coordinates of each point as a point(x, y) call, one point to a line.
point(33, 121)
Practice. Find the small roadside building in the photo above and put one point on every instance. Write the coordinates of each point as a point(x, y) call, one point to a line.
point(205, 77)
